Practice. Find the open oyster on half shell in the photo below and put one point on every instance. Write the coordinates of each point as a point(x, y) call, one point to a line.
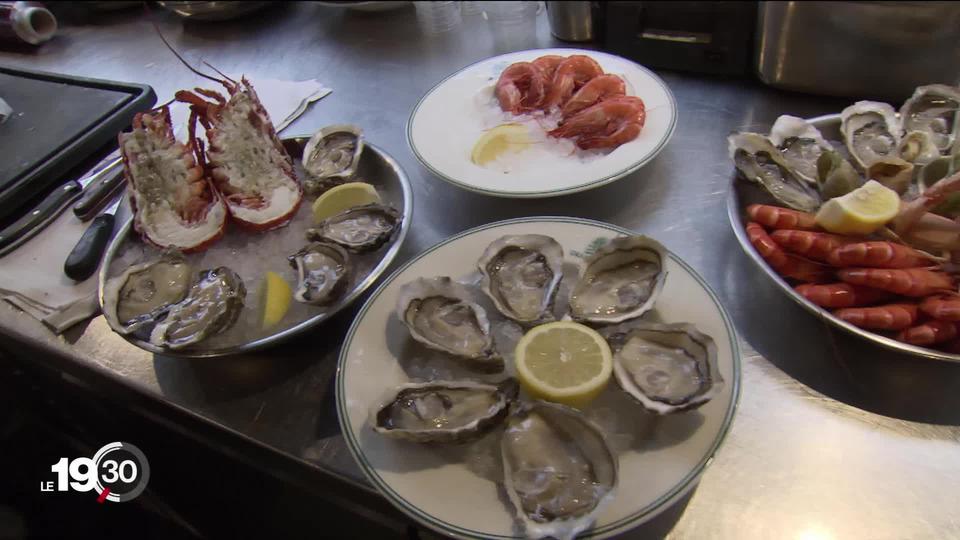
point(667, 368)
point(440, 313)
point(521, 275)
point(559, 471)
point(211, 306)
point(621, 281)
point(144, 293)
point(935, 110)
point(759, 161)
point(871, 132)
point(800, 144)
point(444, 411)
point(323, 272)
point(359, 229)
point(333, 152)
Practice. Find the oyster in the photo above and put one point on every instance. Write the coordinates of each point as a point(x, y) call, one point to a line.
point(761, 162)
point(143, 293)
point(918, 147)
point(558, 469)
point(361, 228)
point(666, 367)
point(935, 110)
point(521, 275)
point(445, 411)
point(835, 175)
point(871, 132)
point(211, 306)
point(440, 314)
point(621, 280)
point(892, 172)
point(800, 144)
point(323, 271)
point(334, 151)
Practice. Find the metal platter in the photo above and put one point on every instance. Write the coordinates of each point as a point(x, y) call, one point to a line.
point(743, 194)
point(376, 167)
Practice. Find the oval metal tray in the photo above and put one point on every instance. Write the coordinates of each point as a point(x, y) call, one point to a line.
point(743, 194)
point(376, 167)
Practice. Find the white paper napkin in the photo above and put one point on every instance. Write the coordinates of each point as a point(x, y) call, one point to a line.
point(31, 277)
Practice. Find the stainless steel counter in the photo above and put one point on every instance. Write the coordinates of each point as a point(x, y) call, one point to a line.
point(834, 438)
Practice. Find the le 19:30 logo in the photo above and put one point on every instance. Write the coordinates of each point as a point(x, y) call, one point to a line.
point(118, 472)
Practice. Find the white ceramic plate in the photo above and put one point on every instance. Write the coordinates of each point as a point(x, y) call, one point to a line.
point(450, 118)
point(449, 489)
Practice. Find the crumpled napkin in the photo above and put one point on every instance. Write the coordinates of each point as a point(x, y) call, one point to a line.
point(32, 278)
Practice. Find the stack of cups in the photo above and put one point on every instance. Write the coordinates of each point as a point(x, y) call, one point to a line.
point(438, 17)
point(513, 24)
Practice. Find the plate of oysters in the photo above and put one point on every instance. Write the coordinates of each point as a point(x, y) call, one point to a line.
point(437, 391)
point(891, 278)
point(226, 250)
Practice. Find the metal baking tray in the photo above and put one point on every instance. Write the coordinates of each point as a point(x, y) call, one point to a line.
point(57, 122)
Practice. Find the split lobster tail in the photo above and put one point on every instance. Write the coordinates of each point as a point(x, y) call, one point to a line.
point(173, 200)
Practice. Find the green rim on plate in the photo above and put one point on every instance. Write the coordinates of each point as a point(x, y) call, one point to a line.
point(460, 532)
point(668, 134)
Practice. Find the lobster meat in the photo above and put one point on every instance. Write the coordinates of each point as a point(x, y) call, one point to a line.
point(917, 282)
point(841, 295)
point(775, 217)
point(929, 333)
point(784, 263)
point(248, 164)
point(809, 244)
point(174, 202)
point(878, 255)
point(888, 317)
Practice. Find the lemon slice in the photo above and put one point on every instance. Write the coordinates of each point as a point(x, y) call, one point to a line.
point(565, 362)
point(498, 141)
point(276, 299)
point(343, 197)
point(861, 211)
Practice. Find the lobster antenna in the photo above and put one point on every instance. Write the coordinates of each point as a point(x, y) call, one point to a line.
point(174, 51)
point(222, 74)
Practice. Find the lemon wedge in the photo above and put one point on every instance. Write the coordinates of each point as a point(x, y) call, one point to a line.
point(565, 362)
point(276, 299)
point(343, 197)
point(861, 211)
point(498, 141)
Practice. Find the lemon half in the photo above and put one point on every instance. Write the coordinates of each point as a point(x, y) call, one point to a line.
point(861, 211)
point(565, 362)
point(343, 197)
point(499, 141)
point(276, 299)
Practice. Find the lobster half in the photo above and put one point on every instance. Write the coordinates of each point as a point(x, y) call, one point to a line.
point(173, 201)
point(245, 158)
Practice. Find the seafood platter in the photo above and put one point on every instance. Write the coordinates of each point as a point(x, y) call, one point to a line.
point(855, 216)
point(239, 238)
point(542, 123)
point(448, 393)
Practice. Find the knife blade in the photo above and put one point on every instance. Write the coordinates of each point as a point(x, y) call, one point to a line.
point(85, 257)
point(98, 188)
point(33, 222)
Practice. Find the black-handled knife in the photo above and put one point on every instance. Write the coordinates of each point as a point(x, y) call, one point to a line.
point(97, 190)
point(21, 230)
point(84, 258)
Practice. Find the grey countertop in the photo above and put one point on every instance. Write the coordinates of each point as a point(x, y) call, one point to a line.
point(834, 438)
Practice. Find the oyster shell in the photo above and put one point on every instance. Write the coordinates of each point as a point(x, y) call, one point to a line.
point(800, 144)
point(323, 271)
point(359, 229)
point(621, 281)
point(559, 471)
point(444, 411)
point(935, 110)
point(666, 367)
point(143, 293)
point(334, 151)
point(835, 175)
point(871, 132)
point(892, 172)
point(521, 275)
point(918, 147)
point(758, 160)
point(211, 306)
point(440, 314)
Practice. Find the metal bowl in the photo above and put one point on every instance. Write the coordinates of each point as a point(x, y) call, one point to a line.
point(376, 167)
point(743, 194)
point(212, 11)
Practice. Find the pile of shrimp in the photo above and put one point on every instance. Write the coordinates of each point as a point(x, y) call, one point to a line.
point(886, 287)
point(595, 109)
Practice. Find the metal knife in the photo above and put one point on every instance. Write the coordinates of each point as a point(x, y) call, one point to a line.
point(24, 228)
point(84, 258)
point(98, 188)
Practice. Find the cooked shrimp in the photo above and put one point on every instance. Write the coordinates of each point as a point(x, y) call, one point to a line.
point(928, 333)
point(879, 254)
point(785, 264)
point(841, 295)
point(916, 282)
point(595, 91)
point(944, 308)
point(521, 88)
point(775, 217)
point(812, 245)
point(889, 317)
point(549, 64)
point(607, 124)
point(571, 75)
